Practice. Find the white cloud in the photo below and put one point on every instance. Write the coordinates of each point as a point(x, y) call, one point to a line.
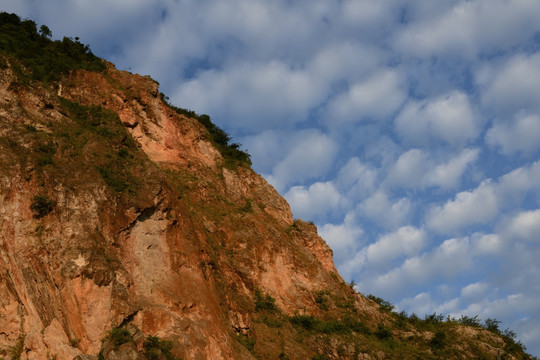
point(406, 241)
point(420, 304)
point(345, 239)
point(311, 155)
point(409, 169)
point(513, 186)
point(416, 168)
point(469, 208)
point(385, 212)
point(375, 98)
point(367, 12)
point(267, 146)
point(448, 260)
point(512, 86)
point(524, 226)
point(469, 28)
point(356, 180)
point(253, 97)
point(474, 291)
point(520, 135)
point(447, 175)
point(449, 118)
point(490, 244)
point(345, 60)
point(316, 200)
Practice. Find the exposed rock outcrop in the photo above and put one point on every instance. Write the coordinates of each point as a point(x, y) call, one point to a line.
point(119, 212)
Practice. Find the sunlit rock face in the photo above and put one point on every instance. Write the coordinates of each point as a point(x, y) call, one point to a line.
point(179, 254)
point(130, 230)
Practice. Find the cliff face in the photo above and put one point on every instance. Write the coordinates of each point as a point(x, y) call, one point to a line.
point(121, 218)
point(175, 243)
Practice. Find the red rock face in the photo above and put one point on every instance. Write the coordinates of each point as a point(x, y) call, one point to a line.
point(179, 257)
point(118, 212)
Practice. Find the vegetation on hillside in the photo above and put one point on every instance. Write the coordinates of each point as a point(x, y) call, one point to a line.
point(88, 144)
point(34, 56)
point(220, 138)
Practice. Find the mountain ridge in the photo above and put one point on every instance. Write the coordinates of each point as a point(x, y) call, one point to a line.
point(132, 229)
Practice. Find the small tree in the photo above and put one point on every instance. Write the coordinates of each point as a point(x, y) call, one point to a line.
point(45, 31)
point(41, 206)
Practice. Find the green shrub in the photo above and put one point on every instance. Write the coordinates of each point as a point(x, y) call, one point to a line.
point(119, 336)
point(385, 305)
point(156, 348)
point(334, 326)
point(321, 299)
point(246, 341)
point(271, 321)
point(45, 152)
point(220, 138)
point(264, 302)
point(433, 318)
point(469, 321)
point(308, 322)
point(320, 357)
point(383, 332)
point(34, 56)
point(41, 206)
point(439, 340)
point(492, 325)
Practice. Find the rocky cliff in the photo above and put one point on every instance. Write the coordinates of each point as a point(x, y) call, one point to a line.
point(129, 230)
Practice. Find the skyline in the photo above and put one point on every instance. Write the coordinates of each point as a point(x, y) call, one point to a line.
point(407, 131)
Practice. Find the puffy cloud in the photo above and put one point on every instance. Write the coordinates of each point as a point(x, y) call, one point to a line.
point(345, 239)
point(356, 179)
point(513, 186)
point(253, 97)
point(468, 208)
point(345, 60)
point(449, 118)
point(368, 12)
point(513, 85)
point(524, 226)
point(375, 98)
point(448, 260)
point(475, 290)
point(469, 28)
point(267, 146)
point(415, 168)
point(406, 241)
point(310, 156)
point(490, 244)
point(386, 213)
point(447, 175)
point(420, 304)
point(520, 135)
point(409, 169)
point(315, 200)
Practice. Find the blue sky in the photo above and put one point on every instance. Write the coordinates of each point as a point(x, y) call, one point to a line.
point(408, 131)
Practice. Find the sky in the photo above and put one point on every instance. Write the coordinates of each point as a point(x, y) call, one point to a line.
point(407, 131)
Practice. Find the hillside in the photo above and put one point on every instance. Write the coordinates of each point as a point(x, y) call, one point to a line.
point(133, 229)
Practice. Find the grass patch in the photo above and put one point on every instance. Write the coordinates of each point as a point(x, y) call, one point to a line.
point(113, 152)
point(335, 326)
point(16, 350)
point(246, 341)
point(264, 302)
